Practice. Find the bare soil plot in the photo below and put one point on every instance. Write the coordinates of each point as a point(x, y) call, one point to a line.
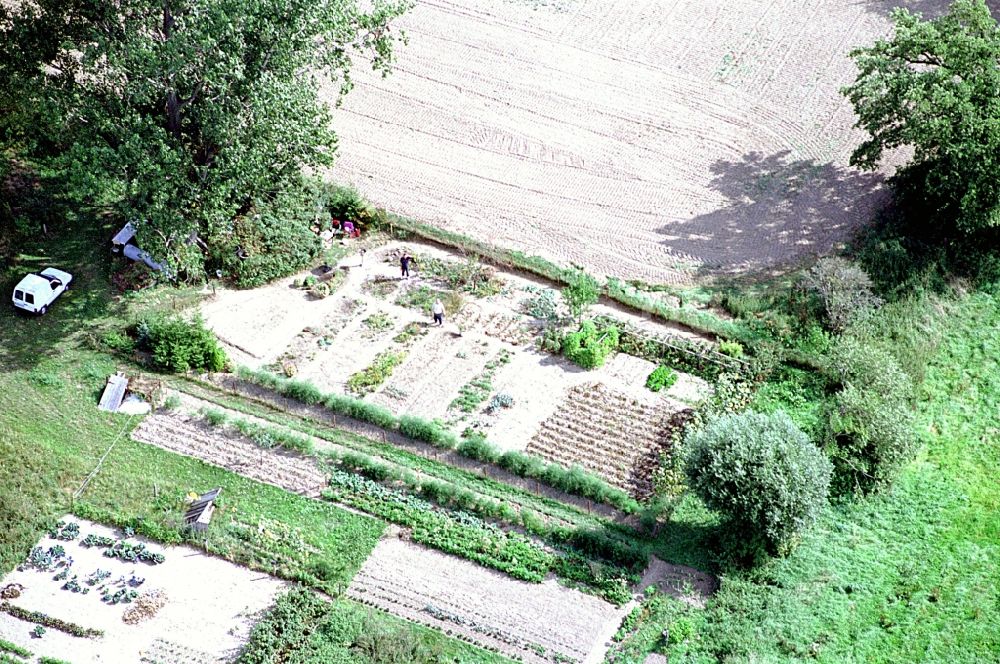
point(650, 139)
point(211, 605)
point(485, 607)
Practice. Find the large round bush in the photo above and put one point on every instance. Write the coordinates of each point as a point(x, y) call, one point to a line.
point(762, 474)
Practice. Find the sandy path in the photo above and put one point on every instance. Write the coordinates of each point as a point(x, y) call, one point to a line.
point(483, 606)
point(209, 609)
point(644, 139)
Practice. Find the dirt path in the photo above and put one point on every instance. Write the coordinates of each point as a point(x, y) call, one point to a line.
point(643, 139)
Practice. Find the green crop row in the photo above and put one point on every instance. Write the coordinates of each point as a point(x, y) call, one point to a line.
point(573, 480)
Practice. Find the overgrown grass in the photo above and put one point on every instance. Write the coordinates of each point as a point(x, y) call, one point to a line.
point(911, 575)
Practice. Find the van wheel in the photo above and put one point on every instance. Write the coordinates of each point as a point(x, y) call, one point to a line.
point(41, 312)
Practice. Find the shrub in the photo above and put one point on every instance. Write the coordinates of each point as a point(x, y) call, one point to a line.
point(581, 291)
point(869, 422)
point(662, 378)
point(590, 346)
point(427, 431)
point(844, 289)
point(475, 446)
point(119, 342)
point(762, 474)
point(181, 345)
point(731, 348)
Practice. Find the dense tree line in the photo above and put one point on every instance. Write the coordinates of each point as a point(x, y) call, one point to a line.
point(194, 119)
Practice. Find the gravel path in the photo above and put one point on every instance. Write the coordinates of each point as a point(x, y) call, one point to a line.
point(650, 139)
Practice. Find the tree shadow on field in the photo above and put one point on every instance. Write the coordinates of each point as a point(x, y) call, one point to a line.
point(776, 211)
point(927, 8)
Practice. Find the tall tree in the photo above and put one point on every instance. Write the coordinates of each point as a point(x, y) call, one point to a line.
point(935, 87)
point(194, 117)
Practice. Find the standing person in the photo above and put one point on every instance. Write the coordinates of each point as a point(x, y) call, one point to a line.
point(438, 311)
point(404, 264)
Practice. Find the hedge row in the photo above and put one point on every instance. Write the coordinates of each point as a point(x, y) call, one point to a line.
point(699, 321)
point(697, 358)
point(459, 534)
point(593, 542)
point(573, 480)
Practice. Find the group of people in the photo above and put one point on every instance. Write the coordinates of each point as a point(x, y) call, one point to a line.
point(437, 309)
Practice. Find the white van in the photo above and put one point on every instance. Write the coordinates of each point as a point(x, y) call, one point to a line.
point(36, 292)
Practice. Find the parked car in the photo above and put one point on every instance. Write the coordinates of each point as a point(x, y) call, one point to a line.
point(36, 292)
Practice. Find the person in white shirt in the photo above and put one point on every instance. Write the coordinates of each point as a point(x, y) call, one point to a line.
point(438, 311)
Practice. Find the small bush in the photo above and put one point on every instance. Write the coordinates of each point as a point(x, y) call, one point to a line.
point(429, 432)
point(869, 422)
point(475, 446)
point(731, 348)
point(662, 378)
point(542, 305)
point(119, 342)
point(844, 289)
point(590, 346)
point(762, 474)
point(581, 291)
point(181, 345)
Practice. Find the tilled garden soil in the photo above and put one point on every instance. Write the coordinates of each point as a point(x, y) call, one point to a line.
point(531, 622)
point(191, 437)
point(651, 139)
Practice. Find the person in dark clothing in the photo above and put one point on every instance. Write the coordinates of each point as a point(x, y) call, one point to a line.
point(404, 264)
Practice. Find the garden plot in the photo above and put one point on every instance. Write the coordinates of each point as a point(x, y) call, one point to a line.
point(533, 622)
point(257, 325)
point(641, 139)
point(210, 605)
point(608, 432)
point(191, 437)
point(541, 384)
point(434, 371)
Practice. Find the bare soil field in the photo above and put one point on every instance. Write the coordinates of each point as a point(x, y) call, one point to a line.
point(210, 605)
point(532, 622)
point(649, 139)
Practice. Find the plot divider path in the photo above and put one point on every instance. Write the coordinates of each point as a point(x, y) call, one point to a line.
point(236, 387)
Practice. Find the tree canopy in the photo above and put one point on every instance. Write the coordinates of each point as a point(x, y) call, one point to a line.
point(194, 119)
point(935, 87)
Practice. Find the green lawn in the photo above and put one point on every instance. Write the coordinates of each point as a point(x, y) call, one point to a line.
point(912, 576)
